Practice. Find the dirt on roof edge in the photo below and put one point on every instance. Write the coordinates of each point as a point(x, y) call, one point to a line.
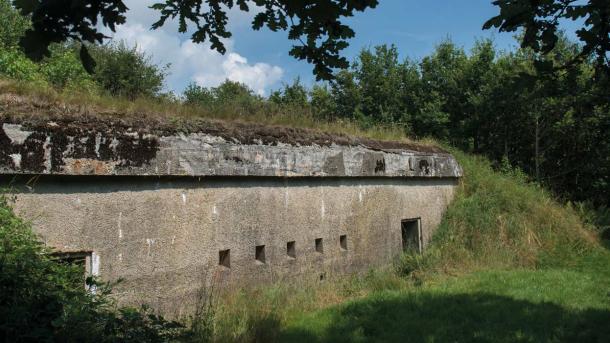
point(37, 115)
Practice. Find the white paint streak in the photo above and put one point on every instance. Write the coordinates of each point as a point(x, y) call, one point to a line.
point(184, 198)
point(286, 197)
point(322, 209)
point(150, 242)
point(214, 210)
point(119, 225)
point(360, 196)
point(120, 257)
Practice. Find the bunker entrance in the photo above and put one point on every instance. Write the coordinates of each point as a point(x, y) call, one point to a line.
point(411, 235)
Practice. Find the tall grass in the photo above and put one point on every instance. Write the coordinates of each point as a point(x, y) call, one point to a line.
point(172, 110)
point(500, 220)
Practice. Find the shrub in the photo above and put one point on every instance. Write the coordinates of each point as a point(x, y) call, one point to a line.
point(228, 96)
point(43, 300)
point(15, 65)
point(65, 70)
point(127, 72)
point(12, 24)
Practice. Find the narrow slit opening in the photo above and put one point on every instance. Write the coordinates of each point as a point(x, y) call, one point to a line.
point(319, 245)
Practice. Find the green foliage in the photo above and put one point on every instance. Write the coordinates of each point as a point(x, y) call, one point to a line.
point(552, 126)
point(46, 301)
point(126, 72)
point(120, 70)
point(317, 26)
point(14, 65)
point(294, 94)
point(229, 94)
point(64, 70)
point(322, 102)
point(540, 22)
point(12, 25)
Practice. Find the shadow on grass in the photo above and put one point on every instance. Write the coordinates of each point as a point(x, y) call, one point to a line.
point(425, 317)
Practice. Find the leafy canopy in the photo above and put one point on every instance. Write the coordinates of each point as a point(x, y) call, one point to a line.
point(315, 25)
point(540, 20)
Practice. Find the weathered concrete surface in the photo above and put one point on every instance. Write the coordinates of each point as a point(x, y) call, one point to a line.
point(51, 151)
point(163, 236)
point(155, 207)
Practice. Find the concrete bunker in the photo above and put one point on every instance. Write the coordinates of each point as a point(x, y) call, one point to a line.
point(182, 211)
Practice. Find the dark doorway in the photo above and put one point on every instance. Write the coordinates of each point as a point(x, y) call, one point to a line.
point(224, 258)
point(411, 235)
point(259, 254)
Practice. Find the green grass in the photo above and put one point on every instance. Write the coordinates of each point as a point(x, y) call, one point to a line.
point(550, 305)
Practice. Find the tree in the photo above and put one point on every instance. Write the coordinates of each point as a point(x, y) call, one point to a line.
point(540, 21)
point(13, 25)
point(294, 94)
point(315, 24)
point(124, 71)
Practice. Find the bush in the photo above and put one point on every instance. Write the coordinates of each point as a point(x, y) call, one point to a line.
point(127, 72)
point(15, 65)
point(228, 96)
point(12, 25)
point(43, 300)
point(65, 70)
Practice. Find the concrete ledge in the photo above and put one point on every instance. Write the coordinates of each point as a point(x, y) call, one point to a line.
point(49, 150)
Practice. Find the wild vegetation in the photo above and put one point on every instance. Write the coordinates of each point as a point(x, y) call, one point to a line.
point(44, 300)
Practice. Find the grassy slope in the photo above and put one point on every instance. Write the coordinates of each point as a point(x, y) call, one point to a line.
point(526, 269)
point(508, 263)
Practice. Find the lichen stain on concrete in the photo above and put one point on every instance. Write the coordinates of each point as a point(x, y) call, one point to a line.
point(424, 166)
point(55, 148)
point(334, 165)
point(373, 163)
point(380, 166)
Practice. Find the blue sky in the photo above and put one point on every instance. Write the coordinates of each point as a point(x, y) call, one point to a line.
point(260, 58)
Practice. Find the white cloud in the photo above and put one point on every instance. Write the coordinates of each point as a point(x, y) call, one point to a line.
point(192, 62)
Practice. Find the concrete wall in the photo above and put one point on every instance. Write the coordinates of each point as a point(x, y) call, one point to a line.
point(163, 235)
point(154, 206)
